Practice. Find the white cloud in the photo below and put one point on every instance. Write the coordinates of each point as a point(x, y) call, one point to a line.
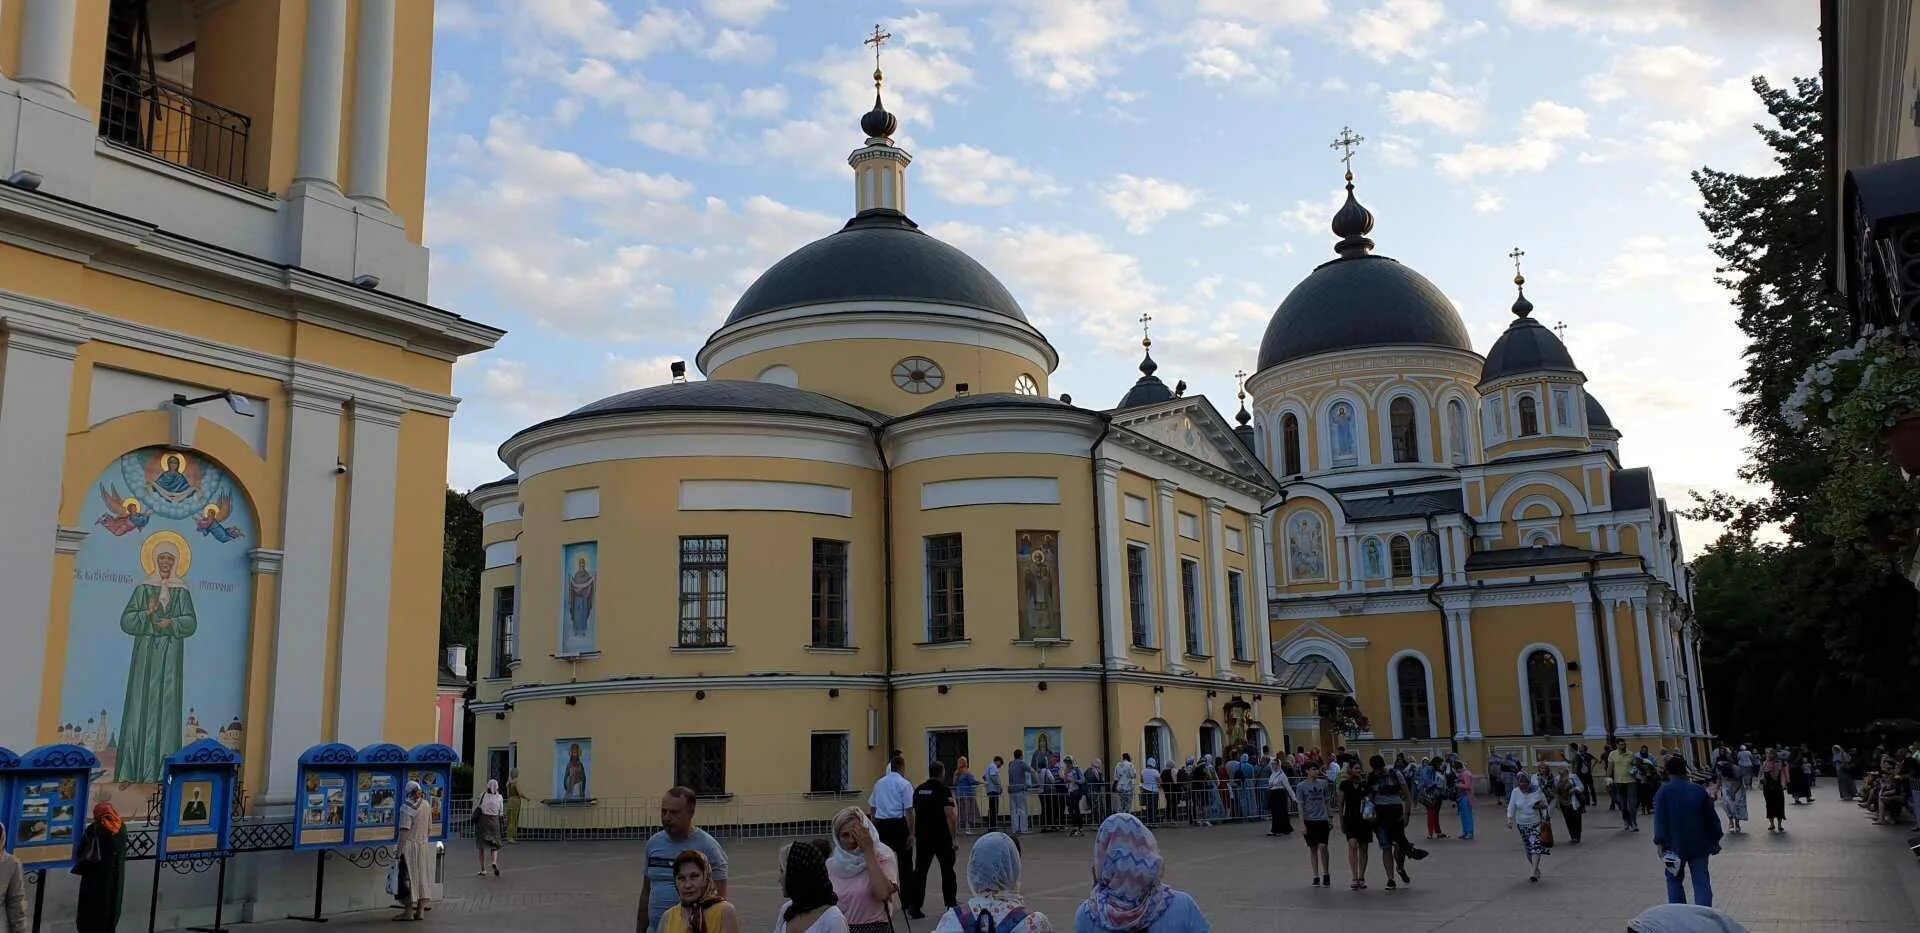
point(740, 12)
point(658, 115)
point(1673, 126)
point(1311, 217)
point(738, 45)
point(1458, 111)
point(1393, 28)
point(1396, 151)
point(1067, 46)
point(1488, 201)
point(1267, 12)
point(931, 30)
point(596, 29)
point(1140, 202)
point(1539, 145)
point(1650, 71)
point(1226, 52)
point(966, 174)
point(450, 91)
point(770, 101)
point(1796, 18)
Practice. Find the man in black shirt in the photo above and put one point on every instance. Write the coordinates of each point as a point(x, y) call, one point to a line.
point(935, 822)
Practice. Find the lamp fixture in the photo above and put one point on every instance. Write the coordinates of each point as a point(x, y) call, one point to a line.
point(1043, 685)
point(699, 694)
point(943, 689)
point(239, 403)
point(366, 280)
point(25, 180)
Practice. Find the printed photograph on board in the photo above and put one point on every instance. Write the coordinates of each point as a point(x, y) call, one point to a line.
point(572, 760)
point(196, 804)
point(1042, 743)
point(580, 564)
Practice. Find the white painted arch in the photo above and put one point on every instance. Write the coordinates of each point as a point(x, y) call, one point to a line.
point(1314, 644)
point(1497, 509)
point(1422, 419)
point(1520, 670)
point(1393, 693)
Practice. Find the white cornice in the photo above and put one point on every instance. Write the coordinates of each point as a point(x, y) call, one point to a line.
point(1213, 427)
point(1143, 448)
point(650, 434)
point(905, 320)
point(1410, 359)
point(1004, 429)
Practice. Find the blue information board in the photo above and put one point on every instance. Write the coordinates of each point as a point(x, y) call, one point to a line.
point(379, 776)
point(8, 762)
point(323, 809)
point(196, 818)
point(431, 766)
point(46, 805)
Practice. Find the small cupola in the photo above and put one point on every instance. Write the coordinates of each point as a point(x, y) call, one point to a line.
point(1533, 396)
point(1148, 390)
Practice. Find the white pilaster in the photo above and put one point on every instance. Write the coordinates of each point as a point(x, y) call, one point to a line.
point(1113, 565)
point(300, 642)
point(46, 46)
point(1615, 677)
point(322, 81)
point(1703, 724)
point(1472, 676)
point(1594, 726)
point(1649, 693)
point(1456, 677)
point(372, 102)
point(372, 477)
point(1258, 608)
point(36, 375)
point(1220, 613)
point(1174, 641)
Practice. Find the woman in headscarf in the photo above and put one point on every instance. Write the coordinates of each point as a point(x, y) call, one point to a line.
point(416, 850)
point(1526, 810)
point(1732, 794)
point(1150, 790)
point(1800, 776)
point(514, 797)
point(701, 908)
point(810, 905)
point(865, 873)
point(489, 812)
point(103, 872)
point(1074, 781)
point(1843, 772)
point(993, 872)
point(1773, 786)
point(1128, 894)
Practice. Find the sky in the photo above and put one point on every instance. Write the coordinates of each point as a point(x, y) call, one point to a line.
point(607, 176)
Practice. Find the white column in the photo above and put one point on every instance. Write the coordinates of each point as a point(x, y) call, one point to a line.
point(322, 81)
point(1220, 612)
point(1173, 642)
point(1260, 609)
point(1703, 724)
point(46, 45)
point(1649, 693)
point(1113, 567)
point(1456, 680)
point(1615, 676)
point(372, 477)
point(1472, 676)
point(1664, 624)
point(1595, 726)
point(36, 374)
point(306, 590)
point(372, 102)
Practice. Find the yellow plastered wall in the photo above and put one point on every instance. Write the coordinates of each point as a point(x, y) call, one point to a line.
point(996, 716)
point(413, 630)
point(990, 565)
point(861, 371)
point(1499, 633)
point(769, 575)
point(1146, 534)
point(1388, 634)
point(1632, 697)
point(1630, 539)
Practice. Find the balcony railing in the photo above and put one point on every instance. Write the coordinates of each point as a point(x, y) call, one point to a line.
point(167, 122)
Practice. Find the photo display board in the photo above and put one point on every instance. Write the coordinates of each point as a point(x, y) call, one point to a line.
point(378, 777)
point(196, 818)
point(431, 766)
point(324, 805)
point(45, 799)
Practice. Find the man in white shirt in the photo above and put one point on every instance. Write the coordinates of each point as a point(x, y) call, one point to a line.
point(889, 805)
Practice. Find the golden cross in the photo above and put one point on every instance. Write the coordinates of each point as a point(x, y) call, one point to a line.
point(877, 40)
point(1515, 256)
point(1346, 142)
point(1240, 378)
point(1560, 330)
point(1146, 330)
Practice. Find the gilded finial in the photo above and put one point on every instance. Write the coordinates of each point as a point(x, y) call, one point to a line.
point(1240, 379)
point(878, 39)
point(1146, 331)
point(1346, 142)
point(1521, 306)
point(1352, 222)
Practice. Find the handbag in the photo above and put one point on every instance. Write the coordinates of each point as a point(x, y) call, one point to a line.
point(1546, 834)
point(1366, 809)
point(92, 852)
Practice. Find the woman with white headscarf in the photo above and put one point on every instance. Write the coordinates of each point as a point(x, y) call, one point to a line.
point(864, 871)
point(489, 815)
point(416, 850)
point(993, 872)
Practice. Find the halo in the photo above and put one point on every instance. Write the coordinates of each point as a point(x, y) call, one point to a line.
point(131, 504)
point(179, 543)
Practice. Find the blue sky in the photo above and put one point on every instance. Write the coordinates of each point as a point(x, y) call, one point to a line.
point(606, 178)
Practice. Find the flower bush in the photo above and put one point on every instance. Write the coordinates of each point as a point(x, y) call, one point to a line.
point(1858, 391)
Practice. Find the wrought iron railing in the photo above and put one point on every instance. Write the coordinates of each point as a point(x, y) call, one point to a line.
point(166, 121)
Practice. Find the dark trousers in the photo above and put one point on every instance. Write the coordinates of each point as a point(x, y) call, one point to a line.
point(915, 893)
point(1277, 802)
point(1573, 822)
point(1152, 800)
point(894, 833)
point(993, 812)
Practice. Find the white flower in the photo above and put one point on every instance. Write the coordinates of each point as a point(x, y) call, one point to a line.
point(1826, 395)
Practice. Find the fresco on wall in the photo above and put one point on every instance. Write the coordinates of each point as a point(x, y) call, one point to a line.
point(580, 564)
point(1306, 548)
point(162, 616)
point(1373, 561)
point(1042, 743)
point(1345, 452)
point(572, 760)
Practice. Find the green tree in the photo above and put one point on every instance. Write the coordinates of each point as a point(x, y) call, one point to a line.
point(1802, 639)
point(462, 558)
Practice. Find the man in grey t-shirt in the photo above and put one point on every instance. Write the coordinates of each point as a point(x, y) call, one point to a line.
point(677, 835)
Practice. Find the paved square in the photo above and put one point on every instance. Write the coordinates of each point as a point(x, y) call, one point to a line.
point(1831, 871)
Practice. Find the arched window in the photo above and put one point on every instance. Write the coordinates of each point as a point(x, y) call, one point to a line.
point(1210, 738)
point(1402, 552)
point(1543, 694)
point(1539, 539)
point(1406, 433)
point(1289, 444)
point(1529, 416)
point(1457, 430)
point(1416, 719)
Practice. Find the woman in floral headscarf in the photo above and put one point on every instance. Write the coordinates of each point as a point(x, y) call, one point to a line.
point(993, 872)
point(1128, 894)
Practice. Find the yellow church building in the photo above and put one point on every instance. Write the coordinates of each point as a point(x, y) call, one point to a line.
point(872, 528)
point(224, 394)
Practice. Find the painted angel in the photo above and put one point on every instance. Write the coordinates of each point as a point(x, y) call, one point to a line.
point(213, 521)
point(124, 513)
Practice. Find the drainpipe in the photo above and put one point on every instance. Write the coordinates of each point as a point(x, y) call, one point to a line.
point(1446, 646)
point(886, 538)
point(1600, 617)
point(1100, 595)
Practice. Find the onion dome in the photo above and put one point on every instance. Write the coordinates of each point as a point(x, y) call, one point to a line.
point(1149, 390)
point(1243, 429)
point(1527, 346)
point(878, 123)
point(1597, 416)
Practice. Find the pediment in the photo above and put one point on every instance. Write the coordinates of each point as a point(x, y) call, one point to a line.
point(1192, 426)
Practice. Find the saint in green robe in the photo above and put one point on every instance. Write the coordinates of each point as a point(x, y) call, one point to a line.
point(151, 724)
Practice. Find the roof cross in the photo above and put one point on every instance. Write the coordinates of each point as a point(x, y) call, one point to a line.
point(1240, 378)
point(878, 39)
point(1560, 330)
point(1515, 256)
point(1146, 330)
point(1346, 142)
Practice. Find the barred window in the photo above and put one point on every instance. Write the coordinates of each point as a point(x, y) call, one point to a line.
point(703, 592)
point(1237, 609)
point(829, 593)
point(1137, 597)
point(946, 591)
point(1406, 433)
point(506, 649)
point(1190, 604)
point(700, 763)
point(1402, 552)
point(832, 772)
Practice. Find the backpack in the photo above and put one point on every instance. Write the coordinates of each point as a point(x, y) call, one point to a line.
point(984, 922)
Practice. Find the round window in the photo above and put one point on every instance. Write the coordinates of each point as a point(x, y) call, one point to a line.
point(1025, 385)
point(918, 375)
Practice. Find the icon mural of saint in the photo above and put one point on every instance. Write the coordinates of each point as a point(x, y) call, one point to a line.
point(160, 617)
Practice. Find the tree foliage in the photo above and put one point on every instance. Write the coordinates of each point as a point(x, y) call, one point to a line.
point(1802, 639)
point(462, 559)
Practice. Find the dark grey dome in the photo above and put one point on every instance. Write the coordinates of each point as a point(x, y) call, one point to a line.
point(878, 123)
point(1597, 416)
point(719, 395)
point(1526, 347)
point(993, 400)
point(1148, 390)
point(880, 255)
point(1361, 300)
